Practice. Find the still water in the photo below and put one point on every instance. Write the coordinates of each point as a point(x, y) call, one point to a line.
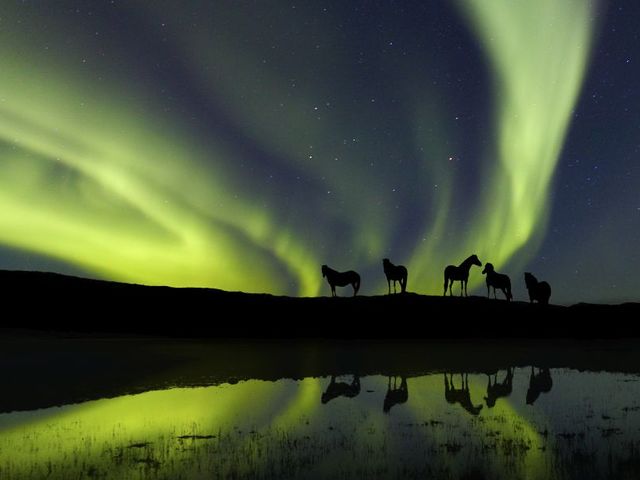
point(520, 423)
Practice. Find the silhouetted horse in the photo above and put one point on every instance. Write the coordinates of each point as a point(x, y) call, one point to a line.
point(462, 395)
point(540, 291)
point(341, 389)
point(395, 395)
point(497, 390)
point(397, 273)
point(461, 272)
point(538, 383)
point(497, 280)
point(341, 279)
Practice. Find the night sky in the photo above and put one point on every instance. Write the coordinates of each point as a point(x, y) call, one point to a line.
point(242, 144)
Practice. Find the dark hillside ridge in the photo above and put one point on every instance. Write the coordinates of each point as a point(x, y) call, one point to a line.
point(49, 301)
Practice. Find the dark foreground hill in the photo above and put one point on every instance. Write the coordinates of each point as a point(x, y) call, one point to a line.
point(34, 300)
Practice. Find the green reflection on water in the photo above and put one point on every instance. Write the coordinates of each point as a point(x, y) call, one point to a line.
point(587, 426)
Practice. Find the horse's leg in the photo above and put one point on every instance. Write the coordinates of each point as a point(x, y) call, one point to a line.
point(389, 285)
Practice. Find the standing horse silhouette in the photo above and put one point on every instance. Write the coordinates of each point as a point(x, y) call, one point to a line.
point(341, 279)
point(497, 280)
point(395, 395)
point(540, 382)
point(397, 273)
point(460, 395)
point(341, 389)
point(497, 390)
point(540, 291)
point(461, 272)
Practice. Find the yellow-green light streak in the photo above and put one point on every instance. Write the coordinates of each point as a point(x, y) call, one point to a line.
point(105, 183)
point(253, 426)
point(538, 53)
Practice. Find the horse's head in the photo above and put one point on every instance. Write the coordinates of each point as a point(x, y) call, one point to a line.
point(475, 260)
point(385, 261)
point(529, 279)
point(324, 270)
point(488, 267)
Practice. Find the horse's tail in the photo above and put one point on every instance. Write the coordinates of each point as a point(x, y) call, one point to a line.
point(403, 281)
point(508, 290)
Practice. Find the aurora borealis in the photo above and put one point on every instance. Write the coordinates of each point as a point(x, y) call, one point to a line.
point(241, 145)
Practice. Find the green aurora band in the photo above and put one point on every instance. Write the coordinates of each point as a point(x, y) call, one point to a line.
point(538, 53)
point(97, 172)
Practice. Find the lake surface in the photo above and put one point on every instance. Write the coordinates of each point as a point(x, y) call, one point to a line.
point(538, 423)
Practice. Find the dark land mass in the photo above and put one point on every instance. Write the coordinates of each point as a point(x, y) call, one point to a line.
point(53, 302)
point(65, 339)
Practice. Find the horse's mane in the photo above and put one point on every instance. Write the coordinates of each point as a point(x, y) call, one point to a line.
point(469, 258)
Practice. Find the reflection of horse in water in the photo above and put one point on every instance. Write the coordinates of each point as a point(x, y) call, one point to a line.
point(461, 273)
point(538, 383)
point(497, 390)
point(341, 389)
point(395, 395)
point(397, 273)
point(497, 280)
point(461, 395)
point(341, 279)
point(540, 291)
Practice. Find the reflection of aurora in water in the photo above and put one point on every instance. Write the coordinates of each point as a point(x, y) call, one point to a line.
point(586, 425)
point(189, 153)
